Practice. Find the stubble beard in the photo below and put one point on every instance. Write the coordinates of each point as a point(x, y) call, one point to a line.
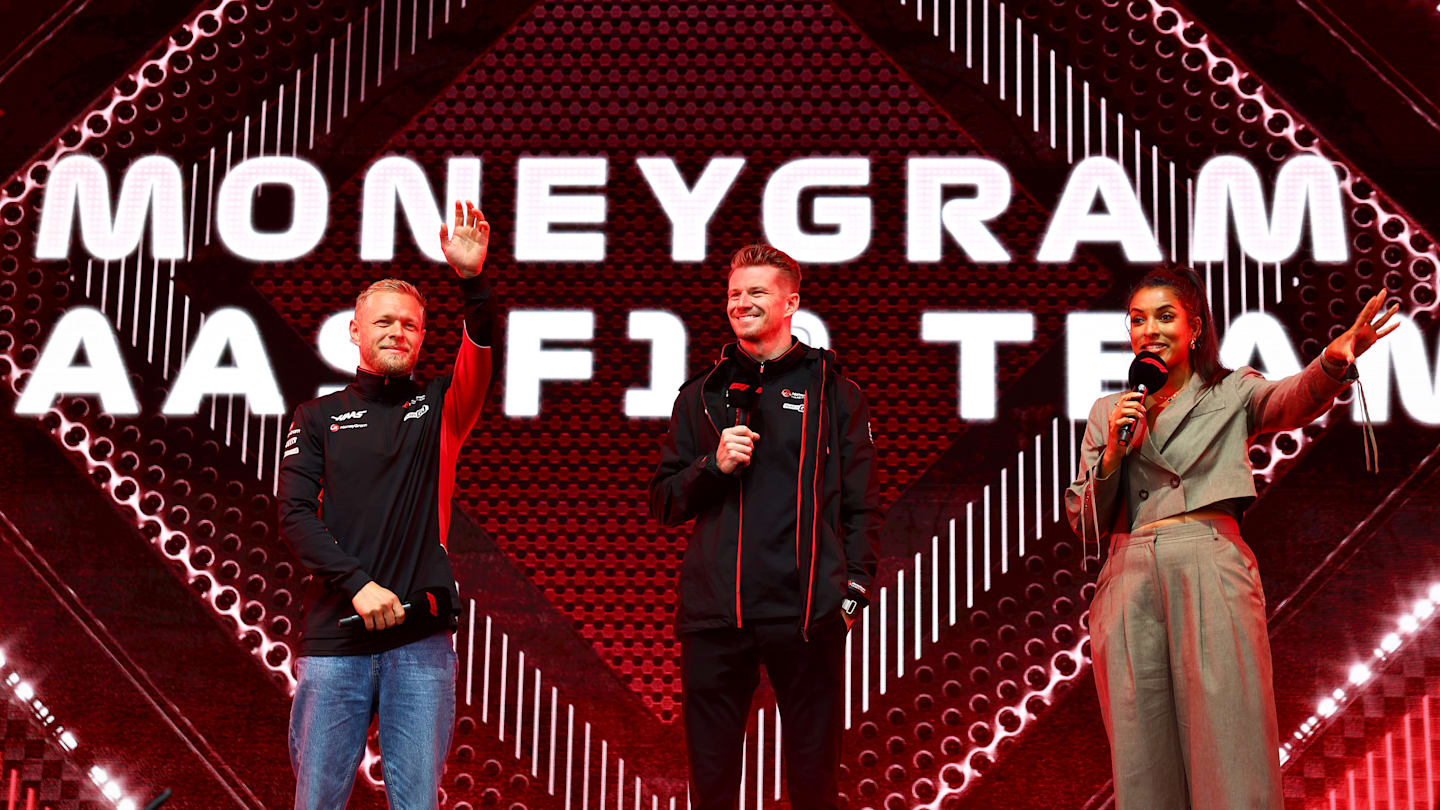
point(392, 365)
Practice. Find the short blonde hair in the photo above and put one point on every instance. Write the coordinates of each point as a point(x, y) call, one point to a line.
point(767, 256)
point(393, 285)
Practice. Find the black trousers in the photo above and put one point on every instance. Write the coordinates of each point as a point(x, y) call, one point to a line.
point(719, 671)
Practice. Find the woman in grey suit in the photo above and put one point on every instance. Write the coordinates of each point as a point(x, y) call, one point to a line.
point(1178, 636)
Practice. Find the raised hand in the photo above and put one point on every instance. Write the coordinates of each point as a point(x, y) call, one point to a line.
point(466, 248)
point(1363, 334)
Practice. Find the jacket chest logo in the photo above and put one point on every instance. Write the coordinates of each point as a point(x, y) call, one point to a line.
point(348, 415)
point(788, 394)
point(416, 414)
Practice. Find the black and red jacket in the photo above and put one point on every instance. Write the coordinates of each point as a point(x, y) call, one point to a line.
point(365, 486)
point(830, 502)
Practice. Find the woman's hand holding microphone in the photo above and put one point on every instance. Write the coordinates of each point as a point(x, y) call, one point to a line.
point(1128, 410)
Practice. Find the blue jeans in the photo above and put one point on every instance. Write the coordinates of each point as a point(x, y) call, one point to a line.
point(411, 688)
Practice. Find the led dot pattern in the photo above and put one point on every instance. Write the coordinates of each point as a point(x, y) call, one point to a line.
point(643, 79)
point(561, 494)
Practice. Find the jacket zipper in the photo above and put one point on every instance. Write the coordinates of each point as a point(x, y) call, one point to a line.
point(815, 499)
point(740, 532)
point(800, 471)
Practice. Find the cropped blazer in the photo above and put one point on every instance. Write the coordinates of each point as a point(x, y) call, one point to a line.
point(1198, 452)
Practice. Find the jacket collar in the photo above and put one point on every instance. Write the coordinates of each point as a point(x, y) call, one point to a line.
point(712, 395)
point(383, 388)
point(775, 365)
point(1172, 418)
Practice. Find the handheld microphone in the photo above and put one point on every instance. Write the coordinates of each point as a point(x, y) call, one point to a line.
point(742, 396)
point(1148, 373)
point(429, 605)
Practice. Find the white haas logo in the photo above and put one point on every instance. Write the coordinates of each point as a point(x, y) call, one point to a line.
point(351, 415)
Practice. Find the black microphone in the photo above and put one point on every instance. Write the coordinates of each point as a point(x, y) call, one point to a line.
point(1148, 373)
point(742, 396)
point(429, 605)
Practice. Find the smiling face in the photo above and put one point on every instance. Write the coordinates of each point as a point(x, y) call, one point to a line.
point(389, 328)
point(1160, 324)
point(760, 304)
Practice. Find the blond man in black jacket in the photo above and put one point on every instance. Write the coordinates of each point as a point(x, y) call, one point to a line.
point(770, 453)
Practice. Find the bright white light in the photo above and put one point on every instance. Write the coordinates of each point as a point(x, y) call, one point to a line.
point(250, 375)
point(846, 220)
point(1423, 610)
point(1284, 756)
point(1390, 643)
point(1230, 183)
point(68, 741)
point(12, 679)
point(537, 208)
point(393, 179)
point(234, 209)
point(666, 335)
point(99, 776)
point(56, 373)
point(1327, 707)
point(1409, 624)
point(24, 690)
point(1339, 694)
point(126, 804)
point(1359, 674)
point(977, 334)
point(1435, 593)
point(152, 189)
point(689, 209)
point(963, 218)
point(2, 652)
point(529, 362)
point(111, 790)
point(1264, 333)
point(1405, 352)
point(1123, 220)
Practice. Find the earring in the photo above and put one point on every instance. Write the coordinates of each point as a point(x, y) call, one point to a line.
point(1192, 344)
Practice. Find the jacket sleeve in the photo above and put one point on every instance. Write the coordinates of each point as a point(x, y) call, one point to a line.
point(1289, 403)
point(302, 471)
point(687, 478)
point(471, 381)
point(1091, 499)
point(860, 514)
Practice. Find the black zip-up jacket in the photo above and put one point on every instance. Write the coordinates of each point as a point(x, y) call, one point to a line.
point(836, 496)
point(365, 487)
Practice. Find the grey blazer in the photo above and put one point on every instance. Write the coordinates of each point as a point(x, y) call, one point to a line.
point(1198, 452)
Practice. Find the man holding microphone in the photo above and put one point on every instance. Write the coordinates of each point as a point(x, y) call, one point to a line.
point(365, 486)
point(770, 454)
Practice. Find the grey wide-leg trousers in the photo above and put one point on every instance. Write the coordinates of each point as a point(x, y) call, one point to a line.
point(1182, 665)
